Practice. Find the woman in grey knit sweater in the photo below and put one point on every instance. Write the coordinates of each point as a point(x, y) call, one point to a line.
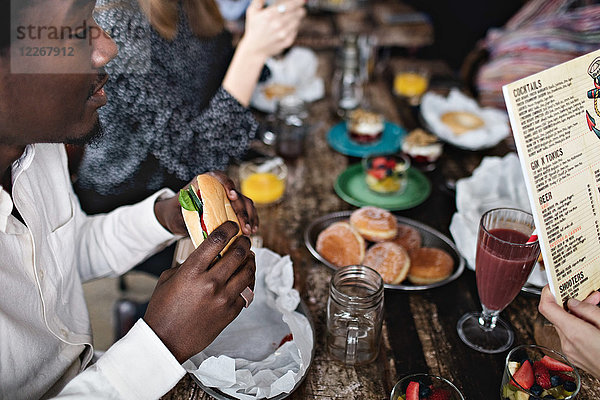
point(177, 100)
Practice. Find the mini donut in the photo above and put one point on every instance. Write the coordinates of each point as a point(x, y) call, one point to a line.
point(429, 265)
point(341, 245)
point(390, 260)
point(408, 237)
point(374, 224)
point(460, 122)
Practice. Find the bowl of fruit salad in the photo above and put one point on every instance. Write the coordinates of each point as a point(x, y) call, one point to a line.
point(425, 387)
point(386, 173)
point(537, 372)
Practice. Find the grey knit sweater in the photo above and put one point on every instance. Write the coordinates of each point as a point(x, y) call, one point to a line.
point(168, 118)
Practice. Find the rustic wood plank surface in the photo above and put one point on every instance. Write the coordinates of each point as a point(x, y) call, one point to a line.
point(323, 30)
point(419, 333)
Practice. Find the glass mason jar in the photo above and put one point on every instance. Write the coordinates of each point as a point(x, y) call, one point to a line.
point(291, 127)
point(355, 314)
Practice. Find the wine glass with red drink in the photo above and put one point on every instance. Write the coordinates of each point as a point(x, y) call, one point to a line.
point(505, 258)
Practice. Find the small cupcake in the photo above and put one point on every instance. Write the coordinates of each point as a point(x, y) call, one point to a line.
point(365, 126)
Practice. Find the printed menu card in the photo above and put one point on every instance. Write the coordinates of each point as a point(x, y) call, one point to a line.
point(555, 118)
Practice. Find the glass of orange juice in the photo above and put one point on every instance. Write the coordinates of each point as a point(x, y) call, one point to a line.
point(263, 180)
point(411, 83)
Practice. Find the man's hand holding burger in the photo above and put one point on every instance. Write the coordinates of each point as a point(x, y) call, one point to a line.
point(168, 212)
point(194, 302)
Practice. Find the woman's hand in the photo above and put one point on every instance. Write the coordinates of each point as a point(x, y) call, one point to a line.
point(268, 31)
point(579, 329)
point(272, 29)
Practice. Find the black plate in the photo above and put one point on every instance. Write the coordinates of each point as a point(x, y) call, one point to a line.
point(431, 238)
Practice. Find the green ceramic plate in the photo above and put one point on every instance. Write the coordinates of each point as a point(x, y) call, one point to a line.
point(352, 188)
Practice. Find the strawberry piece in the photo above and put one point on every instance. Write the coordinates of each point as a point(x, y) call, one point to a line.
point(542, 376)
point(565, 377)
point(412, 391)
point(555, 365)
point(391, 163)
point(378, 174)
point(440, 394)
point(379, 162)
point(524, 375)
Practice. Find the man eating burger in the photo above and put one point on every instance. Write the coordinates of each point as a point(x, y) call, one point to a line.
point(52, 55)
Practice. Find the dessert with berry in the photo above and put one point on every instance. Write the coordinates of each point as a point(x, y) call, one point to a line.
point(386, 174)
point(535, 375)
point(365, 127)
point(422, 147)
point(425, 387)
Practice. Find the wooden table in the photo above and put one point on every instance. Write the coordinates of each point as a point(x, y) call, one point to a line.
point(419, 333)
point(323, 30)
point(388, 22)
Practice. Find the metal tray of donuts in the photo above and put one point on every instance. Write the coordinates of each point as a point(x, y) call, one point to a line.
point(430, 236)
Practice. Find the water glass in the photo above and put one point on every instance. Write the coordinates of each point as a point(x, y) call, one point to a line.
point(346, 84)
point(291, 127)
point(355, 314)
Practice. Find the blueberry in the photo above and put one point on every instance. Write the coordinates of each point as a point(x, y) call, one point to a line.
point(536, 390)
point(424, 392)
point(555, 380)
point(569, 386)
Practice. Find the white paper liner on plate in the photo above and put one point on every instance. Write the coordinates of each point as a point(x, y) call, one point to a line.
point(494, 130)
point(245, 360)
point(298, 69)
point(497, 182)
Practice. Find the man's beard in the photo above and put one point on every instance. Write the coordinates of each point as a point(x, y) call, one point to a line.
point(92, 137)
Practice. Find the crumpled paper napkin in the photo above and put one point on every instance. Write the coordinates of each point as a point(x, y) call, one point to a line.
point(298, 69)
point(495, 129)
point(245, 361)
point(497, 182)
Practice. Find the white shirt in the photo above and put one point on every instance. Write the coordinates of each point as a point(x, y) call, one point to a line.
point(45, 333)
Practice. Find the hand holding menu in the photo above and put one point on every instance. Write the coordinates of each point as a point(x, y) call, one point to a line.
point(555, 117)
